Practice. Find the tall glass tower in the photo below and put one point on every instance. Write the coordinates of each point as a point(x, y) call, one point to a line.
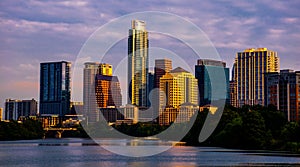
point(138, 62)
point(55, 88)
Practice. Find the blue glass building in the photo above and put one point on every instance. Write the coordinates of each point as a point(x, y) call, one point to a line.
point(55, 88)
point(208, 73)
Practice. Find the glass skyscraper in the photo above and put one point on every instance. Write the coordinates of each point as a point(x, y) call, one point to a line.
point(138, 62)
point(55, 88)
point(208, 71)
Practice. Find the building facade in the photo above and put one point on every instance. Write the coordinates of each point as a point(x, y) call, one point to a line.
point(177, 115)
point(108, 91)
point(138, 63)
point(55, 90)
point(162, 66)
point(178, 87)
point(90, 111)
point(212, 74)
point(1, 114)
point(250, 67)
point(283, 90)
point(17, 108)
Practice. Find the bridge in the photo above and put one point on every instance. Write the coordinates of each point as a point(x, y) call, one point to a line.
point(59, 131)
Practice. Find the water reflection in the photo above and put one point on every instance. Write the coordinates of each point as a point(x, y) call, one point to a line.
point(31, 153)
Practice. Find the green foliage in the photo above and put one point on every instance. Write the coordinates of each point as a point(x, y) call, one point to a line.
point(13, 130)
point(250, 127)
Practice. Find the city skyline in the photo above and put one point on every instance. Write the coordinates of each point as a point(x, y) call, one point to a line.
point(32, 35)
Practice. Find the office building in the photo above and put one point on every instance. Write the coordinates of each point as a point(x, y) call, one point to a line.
point(162, 66)
point(20, 108)
point(111, 115)
point(105, 69)
point(55, 88)
point(130, 112)
point(283, 90)
point(1, 114)
point(150, 87)
point(232, 88)
point(181, 114)
point(138, 62)
point(250, 67)
point(178, 87)
point(212, 74)
point(108, 91)
point(90, 111)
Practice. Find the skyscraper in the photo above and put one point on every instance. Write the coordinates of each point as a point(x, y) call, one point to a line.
point(282, 90)
point(250, 67)
point(180, 87)
point(162, 66)
point(17, 108)
point(210, 72)
point(55, 88)
point(108, 91)
point(138, 62)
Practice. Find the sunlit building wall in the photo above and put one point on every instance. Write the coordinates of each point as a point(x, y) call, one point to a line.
point(250, 67)
point(108, 91)
point(283, 90)
point(178, 87)
point(138, 62)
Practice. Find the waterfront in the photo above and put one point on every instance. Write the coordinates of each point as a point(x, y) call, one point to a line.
point(70, 152)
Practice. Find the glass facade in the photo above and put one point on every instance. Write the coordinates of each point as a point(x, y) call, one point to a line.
point(138, 62)
point(55, 88)
point(208, 71)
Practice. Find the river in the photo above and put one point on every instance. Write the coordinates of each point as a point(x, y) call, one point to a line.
point(71, 152)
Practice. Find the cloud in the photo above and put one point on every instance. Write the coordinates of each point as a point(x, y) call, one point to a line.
point(51, 30)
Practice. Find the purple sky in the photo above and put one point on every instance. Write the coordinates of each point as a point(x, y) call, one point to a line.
point(37, 31)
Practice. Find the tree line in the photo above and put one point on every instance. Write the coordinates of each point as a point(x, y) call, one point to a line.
point(249, 127)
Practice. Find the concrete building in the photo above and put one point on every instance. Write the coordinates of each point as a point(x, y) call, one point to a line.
point(90, 111)
point(283, 90)
point(162, 66)
point(181, 114)
point(108, 91)
point(1, 114)
point(178, 87)
point(20, 108)
point(250, 67)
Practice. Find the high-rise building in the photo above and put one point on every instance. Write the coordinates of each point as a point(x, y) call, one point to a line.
point(283, 90)
point(1, 114)
point(17, 108)
point(232, 88)
point(108, 91)
point(105, 69)
point(178, 87)
point(212, 74)
point(150, 87)
point(90, 111)
point(162, 66)
point(250, 67)
point(55, 88)
point(138, 62)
